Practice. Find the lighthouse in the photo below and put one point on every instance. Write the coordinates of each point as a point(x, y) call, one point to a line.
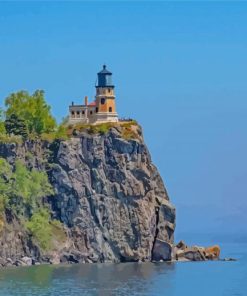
point(103, 108)
point(105, 97)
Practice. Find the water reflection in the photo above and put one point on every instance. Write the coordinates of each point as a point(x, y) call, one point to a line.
point(85, 279)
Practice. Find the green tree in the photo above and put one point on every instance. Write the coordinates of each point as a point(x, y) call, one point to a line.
point(31, 186)
point(2, 127)
point(33, 109)
point(15, 125)
point(40, 228)
point(6, 184)
point(23, 190)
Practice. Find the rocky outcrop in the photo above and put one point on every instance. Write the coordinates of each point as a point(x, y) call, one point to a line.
point(15, 243)
point(108, 195)
point(182, 252)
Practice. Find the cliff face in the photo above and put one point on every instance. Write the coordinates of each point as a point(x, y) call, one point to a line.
point(108, 195)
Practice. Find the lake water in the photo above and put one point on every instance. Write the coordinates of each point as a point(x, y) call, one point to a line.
point(188, 278)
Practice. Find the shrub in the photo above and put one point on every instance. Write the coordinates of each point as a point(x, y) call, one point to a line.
point(101, 128)
point(2, 126)
point(129, 134)
point(45, 231)
point(5, 139)
point(30, 186)
point(22, 190)
point(58, 233)
point(40, 228)
point(6, 184)
point(60, 134)
point(129, 123)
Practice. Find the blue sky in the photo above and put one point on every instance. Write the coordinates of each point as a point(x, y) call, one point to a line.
point(179, 68)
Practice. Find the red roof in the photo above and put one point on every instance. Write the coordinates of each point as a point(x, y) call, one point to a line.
point(92, 104)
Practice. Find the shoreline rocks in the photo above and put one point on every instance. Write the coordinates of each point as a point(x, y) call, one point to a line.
point(179, 253)
point(182, 252)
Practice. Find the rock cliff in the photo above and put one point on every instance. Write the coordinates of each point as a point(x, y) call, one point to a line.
point(109, 197)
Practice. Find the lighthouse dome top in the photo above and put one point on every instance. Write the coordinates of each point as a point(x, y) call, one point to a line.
point(104, 78)
point(105, 71)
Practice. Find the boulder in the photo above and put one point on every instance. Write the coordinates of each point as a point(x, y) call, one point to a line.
point(55, 259)
point(182, 252)
point(213, 252)
point(10, 261)
point(161, 251)
point(27, 260)
point(181, 245)
point(229, 259)
point(194, 254)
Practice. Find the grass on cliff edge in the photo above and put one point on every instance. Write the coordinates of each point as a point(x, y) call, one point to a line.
point(129, 129)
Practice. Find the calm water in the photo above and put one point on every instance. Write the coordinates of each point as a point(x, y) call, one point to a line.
point(206, 278)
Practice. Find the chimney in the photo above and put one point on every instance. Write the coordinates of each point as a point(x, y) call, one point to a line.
point(86, 101)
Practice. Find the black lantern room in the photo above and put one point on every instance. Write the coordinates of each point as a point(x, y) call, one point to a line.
point(104, 78)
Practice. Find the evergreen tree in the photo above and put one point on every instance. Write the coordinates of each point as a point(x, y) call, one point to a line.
point(15, 125)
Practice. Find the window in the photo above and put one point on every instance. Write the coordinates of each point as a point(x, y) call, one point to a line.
point(73, 113)
point(110, 109)
point(97, 110)
point(109, 90)
point(91, 112)
point(83, 112)
point(102, 101)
